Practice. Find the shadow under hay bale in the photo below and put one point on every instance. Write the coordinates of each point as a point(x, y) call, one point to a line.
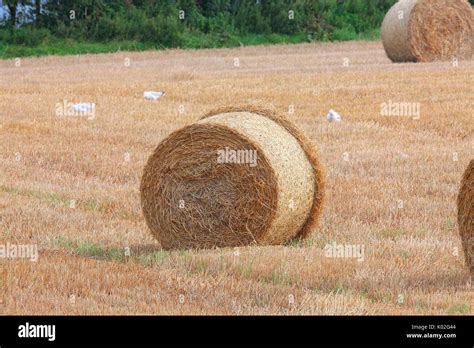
point(428, 30)
point(466, 215)
point(238, 176)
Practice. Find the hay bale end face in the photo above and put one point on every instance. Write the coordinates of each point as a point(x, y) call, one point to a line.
point(236, 177)
point(466, 215)
point(428, 30)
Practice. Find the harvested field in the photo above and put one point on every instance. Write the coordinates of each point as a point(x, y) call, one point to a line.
point(393, 165)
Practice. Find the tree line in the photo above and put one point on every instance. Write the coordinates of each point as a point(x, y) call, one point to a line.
point(166, 23)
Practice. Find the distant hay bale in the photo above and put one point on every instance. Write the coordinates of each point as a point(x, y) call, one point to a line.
point(466, 215)
point(428, 30)
point(240, 175)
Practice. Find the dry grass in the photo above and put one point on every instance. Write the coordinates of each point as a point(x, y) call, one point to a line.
point(374, 163)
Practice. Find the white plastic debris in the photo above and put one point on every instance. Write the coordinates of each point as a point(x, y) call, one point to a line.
point(152, 95)
point(333, 116)
point(83, 107)
point(403, 154)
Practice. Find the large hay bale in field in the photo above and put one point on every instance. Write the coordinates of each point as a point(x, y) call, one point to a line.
point(240, 175)
point(466, 215)
point(428, 30)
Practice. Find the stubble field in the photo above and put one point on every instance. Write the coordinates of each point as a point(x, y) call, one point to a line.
point(69, 184)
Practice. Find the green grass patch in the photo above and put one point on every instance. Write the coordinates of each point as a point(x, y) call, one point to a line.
point(64, 47)
point(246, 270)
point(339, 290)
point(300, 243)
point(53, 199)
point(63, 243)
point(463, 308)
point(155, 258)
point(280, 277)
point(295, 243)
point(70, 47)
point(97, 251)
point(90, 249)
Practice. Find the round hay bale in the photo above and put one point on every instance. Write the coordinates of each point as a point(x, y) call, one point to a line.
point(466, 215)
point(238, 176)
point(428, 30)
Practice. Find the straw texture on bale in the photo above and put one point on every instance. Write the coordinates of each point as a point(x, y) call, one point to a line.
point(191, 199)
point(466, 215)
point(428, 30)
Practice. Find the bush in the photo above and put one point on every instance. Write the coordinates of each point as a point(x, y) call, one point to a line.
point(108, 29)
point(26, 36)
point(162, 31)
point(344, 34)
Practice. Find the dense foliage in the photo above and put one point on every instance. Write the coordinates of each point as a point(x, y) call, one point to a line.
point(162, 23)
point(186, 23)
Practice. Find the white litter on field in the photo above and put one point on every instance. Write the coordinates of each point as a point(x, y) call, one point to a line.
point(403, 154)
point(83, 107)
point(333, 116)
point(152, 95)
